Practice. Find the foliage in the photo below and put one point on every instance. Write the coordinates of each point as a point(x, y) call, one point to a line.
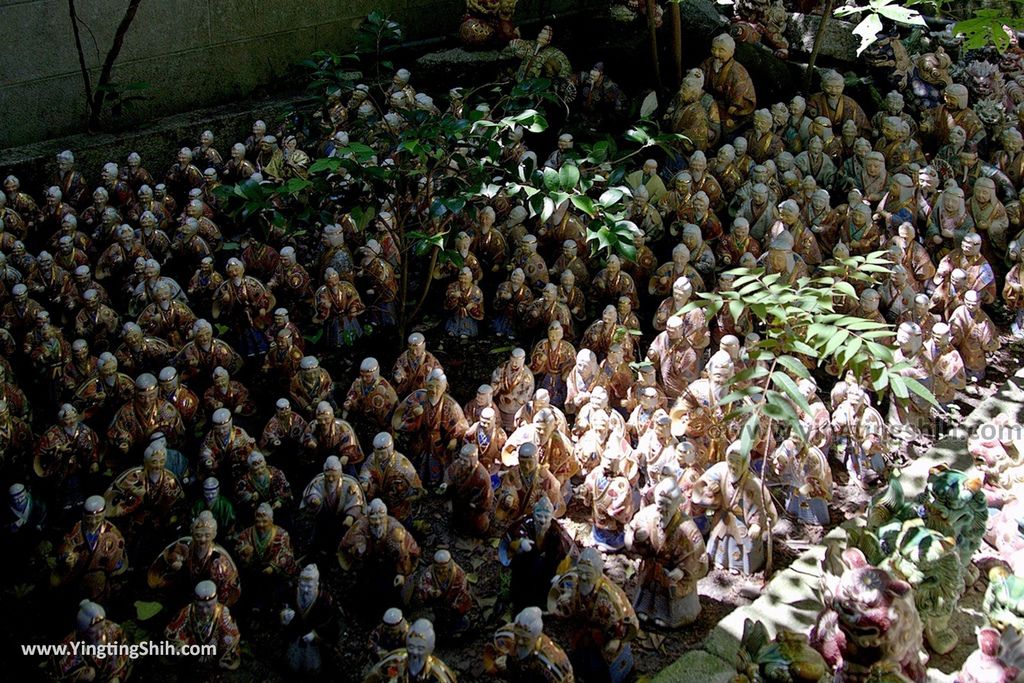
point(330, 73)
point(871, 18)
point(987, 27)
point(800, 331)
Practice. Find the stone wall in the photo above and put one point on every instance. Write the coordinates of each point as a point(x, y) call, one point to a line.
point(192, 53)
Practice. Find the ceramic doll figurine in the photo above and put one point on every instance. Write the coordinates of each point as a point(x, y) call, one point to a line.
point(602, 621)
point(266, 557)
point(860, 437)
point(225, 449)
point(489, 438)
point(672, 559)
point(414, 662)
point(513, 387)
point(832, 103)
point(383, 553)
point(196, 558)
point(431, 424)
point(338, 307)
point(974, 335)
point(146, 497)
point(465, 303)
point(865, 600)
point(93, 628)
point(207, 621)
point(389, 634)
point(552, 359)
point(524, 483)
point(698, 414)
point(310, 621)
point(335, 502)
point(370, 398)
point(676, 353)
point(804, 472)
point(468, 483)
point(741, 515)
point(510, 302)
point(443, 589)
point(728, 82)
point(388, 475)
point(991, 663)
point(262, 483)
point(610, 494)
point(534, 547)
point(521, 651)
point(92, 555)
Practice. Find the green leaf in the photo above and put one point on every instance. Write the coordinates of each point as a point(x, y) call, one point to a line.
point(921, 390)
point(551, 179)
point(867, 30)
point(568, 177)
point(147, 610)
point(788, 386)
point(899, 386)
point(794, 366)
point(902, 15)
point(649, 105)
point(584, 204)
point(836, 341)
point(747, 434)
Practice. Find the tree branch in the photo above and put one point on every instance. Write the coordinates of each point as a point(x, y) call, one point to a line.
point(81, 55)
point(108, 63)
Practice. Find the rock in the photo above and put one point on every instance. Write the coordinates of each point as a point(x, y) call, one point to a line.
point(696, 666)
point(839, 42)
point(701, 18)
point(459, 64)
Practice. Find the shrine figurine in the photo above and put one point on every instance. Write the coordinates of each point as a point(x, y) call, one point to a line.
point(66, 456)
point(510, 302)
point(741, 515)
point(954, 505)
point(414, 662)
point(310, 386)
point(204, 283)
point(327, 435)
point(148, 496)
point(468, 483)
point(283, 432)
point(335, 501)
point(166, 318)
point(866, 600)
point(928, 561)
point(310, 622)
point(602, 621)
point(599, 100)
point(762, 21)
point(804, 472)
point(266, 557)
point(262, 484)
point(442, 589)
point(91, 558)
point(688, 116)
point(283, 358)
point(388, 635)
point(465, 303)
point(143, 415)
point(552, 359)
point(676, 352)
point(540, 59)
point(729, 83)
point(432, 424)
point(948, 372)
point(383, 553)
point(541, 401)
point(513, 385)
point(390, 476)
point(413, 366)
point(524, 483)
point(991, 663)
point(489, 437)
point(673, 558)
point(228, 394)
point(521, 651)
point(222, 509)
point(244, 301)
point(338, 306)
point(196, 558)
point(207, 621)
point(92, 628)
point(973, 334)
point(954, 111)
point(837, 107)
point(290, 281)
point(611, 283)
point(226, 448)
point(860, 437)
point(199, 357)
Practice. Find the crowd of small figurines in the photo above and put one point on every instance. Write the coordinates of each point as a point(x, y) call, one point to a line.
point(128, 445)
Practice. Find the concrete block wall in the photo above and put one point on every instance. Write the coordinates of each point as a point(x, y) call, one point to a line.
point(193, 53)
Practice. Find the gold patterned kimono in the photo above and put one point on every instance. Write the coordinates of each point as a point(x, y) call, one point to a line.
point(393, 480)
point(731, 87)
point(146, 504)
point(91, 560)
point(217, 566)
point(371, 403)
point(432, 431)
point(409, 374)
point(519, 492)
point(603, 615)
point(132, 425)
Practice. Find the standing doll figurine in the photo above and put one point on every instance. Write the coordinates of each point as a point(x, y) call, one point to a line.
point(245, 302)
point(465, 304)
point(739, 526)
point(338, 307)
